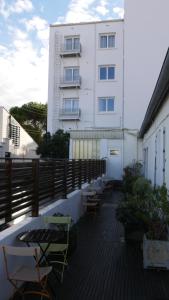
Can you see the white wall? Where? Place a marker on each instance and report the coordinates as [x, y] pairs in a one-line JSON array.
[[27, 147], [72, 206], [91, 88], [146, 44], [155, 133]]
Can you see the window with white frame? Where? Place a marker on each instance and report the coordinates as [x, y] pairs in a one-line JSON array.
[[107, 72], [107, 40], [71, 74], [72, 43], [71, 105], [106, 104]]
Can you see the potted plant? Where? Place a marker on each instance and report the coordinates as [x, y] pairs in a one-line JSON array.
[[156, 241], [131, 173], [132, 212]]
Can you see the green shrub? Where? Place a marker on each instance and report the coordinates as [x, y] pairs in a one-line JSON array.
[[131, 174]]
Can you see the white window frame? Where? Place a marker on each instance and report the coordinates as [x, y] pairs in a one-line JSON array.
[[107, 36], [71, 101], [72, 38], [72, 69], [106, 99], [107, 66]]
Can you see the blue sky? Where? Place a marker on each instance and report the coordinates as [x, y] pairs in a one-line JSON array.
[[24, 33]]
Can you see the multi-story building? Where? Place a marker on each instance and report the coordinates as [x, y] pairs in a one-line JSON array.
[[14, 140], [86, 89], [146, 42]]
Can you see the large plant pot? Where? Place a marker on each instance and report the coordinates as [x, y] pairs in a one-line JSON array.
[[155, 253], [133, 233]]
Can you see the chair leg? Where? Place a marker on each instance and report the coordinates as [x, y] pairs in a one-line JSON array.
[[65, 263], [43, 292], [16, 288]]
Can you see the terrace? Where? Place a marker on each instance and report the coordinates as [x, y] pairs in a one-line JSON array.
[[103, 266]]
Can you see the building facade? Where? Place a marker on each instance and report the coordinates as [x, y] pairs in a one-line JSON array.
[[155, 131], [146, 42], [14, 140], [86, 89]]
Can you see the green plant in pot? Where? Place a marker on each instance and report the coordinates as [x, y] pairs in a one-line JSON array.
[[131, 173], [132, 212], [158, 218], [156, 241]]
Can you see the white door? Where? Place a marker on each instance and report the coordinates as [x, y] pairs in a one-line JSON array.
[[114, 162]]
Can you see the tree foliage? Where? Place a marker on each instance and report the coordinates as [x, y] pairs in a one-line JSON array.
[[54, 146], [32, 117]]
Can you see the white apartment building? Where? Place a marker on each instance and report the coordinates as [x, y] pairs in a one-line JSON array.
[[14, 139], [86, 89], [146, 41], [155, 131]]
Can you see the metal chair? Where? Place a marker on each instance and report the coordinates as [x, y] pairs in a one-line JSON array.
[[57, 253], [90, 201], [23, 273]]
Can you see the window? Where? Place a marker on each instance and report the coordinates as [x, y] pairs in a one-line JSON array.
[[72, 43], [106, 104], [14, 134], [86, 148], [107, 72], [71, 105], [71, 74], [114, 152], [107, 40]]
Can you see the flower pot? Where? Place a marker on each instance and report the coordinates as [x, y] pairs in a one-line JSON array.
[[133, 233], [155, 253]]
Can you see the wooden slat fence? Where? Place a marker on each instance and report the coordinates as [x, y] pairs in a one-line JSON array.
[[27, 185]]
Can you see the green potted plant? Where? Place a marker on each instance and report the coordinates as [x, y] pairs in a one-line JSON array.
[[131, 173], [156, 241], [132, 212]]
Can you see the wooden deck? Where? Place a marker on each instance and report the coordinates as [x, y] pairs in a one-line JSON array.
[[103, 267]]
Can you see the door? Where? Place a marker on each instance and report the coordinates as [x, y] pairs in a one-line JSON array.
[[114, 162]]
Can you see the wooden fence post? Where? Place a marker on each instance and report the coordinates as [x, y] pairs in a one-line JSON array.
[[73, 173], [89, 164], [8, 171], [65, 179], [35, 171], [80, 174], [53, 167]]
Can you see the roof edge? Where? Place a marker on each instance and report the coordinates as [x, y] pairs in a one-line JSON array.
[[85, 23], [158, 98]]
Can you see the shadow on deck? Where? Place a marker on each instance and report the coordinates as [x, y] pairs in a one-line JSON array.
[[103, 267]]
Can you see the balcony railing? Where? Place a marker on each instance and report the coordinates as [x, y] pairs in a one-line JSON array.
[[70, 84], [27, 185], [65, 114], [70, 52]]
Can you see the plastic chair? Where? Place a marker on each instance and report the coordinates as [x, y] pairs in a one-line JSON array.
[[35, 274], [57, 253]]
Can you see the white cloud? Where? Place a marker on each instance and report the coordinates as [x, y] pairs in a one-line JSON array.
[[102, 8], [17, 7], [40, 26], [119, 11], [23, 71], [80, 11], [22, 6]]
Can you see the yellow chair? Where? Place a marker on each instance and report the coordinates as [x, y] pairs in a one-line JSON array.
[[57, 253], [23, 273]]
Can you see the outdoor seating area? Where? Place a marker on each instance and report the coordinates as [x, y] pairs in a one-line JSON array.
[[103, 265], [50, 244]]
